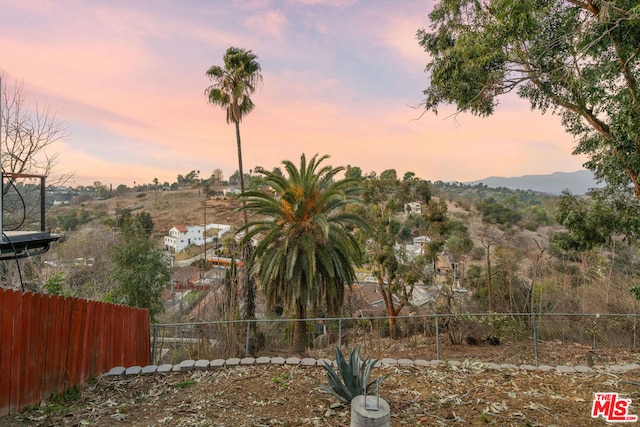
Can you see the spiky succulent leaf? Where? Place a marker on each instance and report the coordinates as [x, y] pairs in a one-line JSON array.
[[334, 393], [337, 387]]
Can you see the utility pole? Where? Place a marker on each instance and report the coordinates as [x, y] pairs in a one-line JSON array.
[[204, 204]]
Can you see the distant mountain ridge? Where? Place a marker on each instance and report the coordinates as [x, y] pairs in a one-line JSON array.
[[578, 182]]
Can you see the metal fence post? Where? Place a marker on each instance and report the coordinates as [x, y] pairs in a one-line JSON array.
[[635, 317], [437, 340], [340, 333], [246, 346], [153, 343], [535, 340]]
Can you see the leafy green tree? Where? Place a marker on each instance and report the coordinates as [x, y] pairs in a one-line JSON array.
[[408, 175], [125, 218], [588, 223], [54, 284], [459, 244], [437, 225], [353, 172], [145, 221], [307, 250], [189, 180], [121, 189], [535, 216], [233, 84], [577, 58], [396, 269], [495, 212], [389, 175], [142, 271], [70, 221]]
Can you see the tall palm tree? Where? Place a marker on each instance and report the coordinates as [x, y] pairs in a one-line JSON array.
[[307, 249], [232, 86], [231, 89]]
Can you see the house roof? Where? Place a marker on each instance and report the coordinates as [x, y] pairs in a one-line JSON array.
[[443, 263], [181, 228], [373, 301]]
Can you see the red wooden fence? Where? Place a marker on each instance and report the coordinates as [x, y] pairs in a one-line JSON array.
[[50, 343]]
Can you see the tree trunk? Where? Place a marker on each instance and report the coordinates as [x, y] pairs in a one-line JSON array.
[[240, 169], [299, 329], [392, 326], [248, 282], [387, 297], [249, 286]]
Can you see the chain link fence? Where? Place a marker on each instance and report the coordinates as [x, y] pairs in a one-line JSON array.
[[502, 338]]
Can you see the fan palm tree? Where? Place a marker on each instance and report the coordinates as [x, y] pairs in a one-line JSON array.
[[232, 86], [307, 250]]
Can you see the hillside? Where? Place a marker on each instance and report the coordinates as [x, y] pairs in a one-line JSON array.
[[515, 226], [167, 208]]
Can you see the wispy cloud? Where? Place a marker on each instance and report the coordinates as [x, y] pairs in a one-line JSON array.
[[269, 23]]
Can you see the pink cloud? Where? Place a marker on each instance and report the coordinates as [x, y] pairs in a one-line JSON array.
[[270, 23]]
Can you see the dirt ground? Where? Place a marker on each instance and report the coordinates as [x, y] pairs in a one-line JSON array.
[[469, 394]]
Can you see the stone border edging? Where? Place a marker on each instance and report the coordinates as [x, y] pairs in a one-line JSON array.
[[203, 364]]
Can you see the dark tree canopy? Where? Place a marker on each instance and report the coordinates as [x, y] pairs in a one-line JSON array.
[[576, 58]]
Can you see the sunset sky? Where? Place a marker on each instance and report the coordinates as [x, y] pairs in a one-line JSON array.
[[341, 77]]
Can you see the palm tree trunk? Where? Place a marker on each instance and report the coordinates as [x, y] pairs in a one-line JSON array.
[[240, 169], [248, 285], [248, 282], [299, 329]]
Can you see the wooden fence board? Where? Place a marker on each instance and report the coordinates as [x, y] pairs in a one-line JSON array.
[[6, 317], [130, 339], [108, 344], [49, 318], [102, 325], [63, 374], [76, 338], [119, 326], [144, 339], [87, 338], [16, 353], [25, 333], [35, 356]]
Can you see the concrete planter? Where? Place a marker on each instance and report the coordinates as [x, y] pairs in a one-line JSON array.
[[374, 414]]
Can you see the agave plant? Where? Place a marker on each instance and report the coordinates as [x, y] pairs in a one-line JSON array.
[[354, 376]]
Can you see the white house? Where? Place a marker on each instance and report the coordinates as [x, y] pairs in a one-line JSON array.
[[413, 250], [181, 236], [413, 207]]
